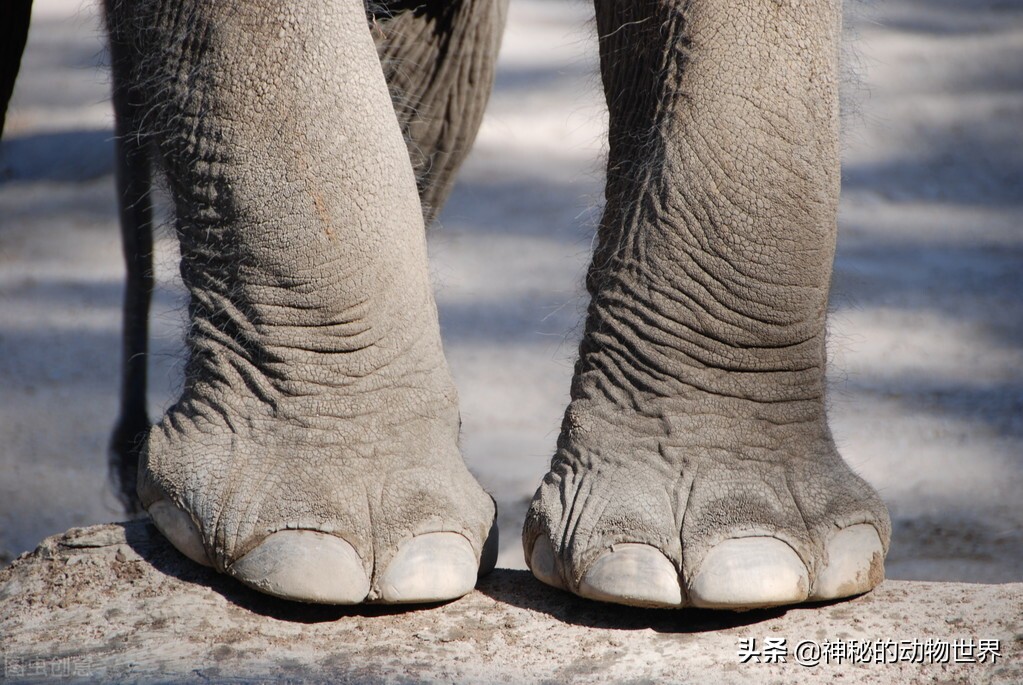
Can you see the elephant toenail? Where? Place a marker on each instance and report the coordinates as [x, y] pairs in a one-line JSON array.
[[633, 574], [748, 573], [855, 563], [542, 563], [430, 568], [306, 566], [178, 527]]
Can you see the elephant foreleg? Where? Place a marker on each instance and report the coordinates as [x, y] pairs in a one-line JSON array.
[[439, 60], [695, 464], [313, 453]]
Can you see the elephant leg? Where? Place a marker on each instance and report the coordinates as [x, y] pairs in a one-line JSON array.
[[135, 207], [313, 451], [439, 60], [439, 63], [695, 466]]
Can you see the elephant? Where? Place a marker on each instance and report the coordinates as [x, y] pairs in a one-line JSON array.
[[313, 452]]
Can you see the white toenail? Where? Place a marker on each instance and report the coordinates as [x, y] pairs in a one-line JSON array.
[[855, 563], [542, 563], [178, 527], [433, 567], [633, 574], [306, 566], [746, 573]]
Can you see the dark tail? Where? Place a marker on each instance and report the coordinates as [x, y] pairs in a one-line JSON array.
[[136, 216], [14, 19]]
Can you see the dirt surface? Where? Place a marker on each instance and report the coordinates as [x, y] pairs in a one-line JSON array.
[[926, 335], [114, 603]]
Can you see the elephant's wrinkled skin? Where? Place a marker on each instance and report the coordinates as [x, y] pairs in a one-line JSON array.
[[313, 453]]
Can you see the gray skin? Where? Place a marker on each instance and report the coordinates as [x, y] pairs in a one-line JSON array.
[[438, 60], [313, 452]]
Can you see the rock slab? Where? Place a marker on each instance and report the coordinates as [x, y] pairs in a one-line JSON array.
[[116, 603]]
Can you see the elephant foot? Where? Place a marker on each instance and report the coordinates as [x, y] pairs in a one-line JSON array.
[[309, 566], [630, 514], [311, 527], [345, 493]]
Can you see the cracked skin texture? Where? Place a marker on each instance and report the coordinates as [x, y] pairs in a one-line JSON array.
[[439, 61], [695, 456], [317, 397], [697, 415]]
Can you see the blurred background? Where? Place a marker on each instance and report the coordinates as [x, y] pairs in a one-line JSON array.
[[926, 332]]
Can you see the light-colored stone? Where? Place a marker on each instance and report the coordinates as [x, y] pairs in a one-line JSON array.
[[117, 603]]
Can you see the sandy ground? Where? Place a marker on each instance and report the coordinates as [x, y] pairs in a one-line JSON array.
[[131, 609], [927, 325]]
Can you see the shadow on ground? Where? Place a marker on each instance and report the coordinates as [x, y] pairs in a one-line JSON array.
[[61, 156]]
